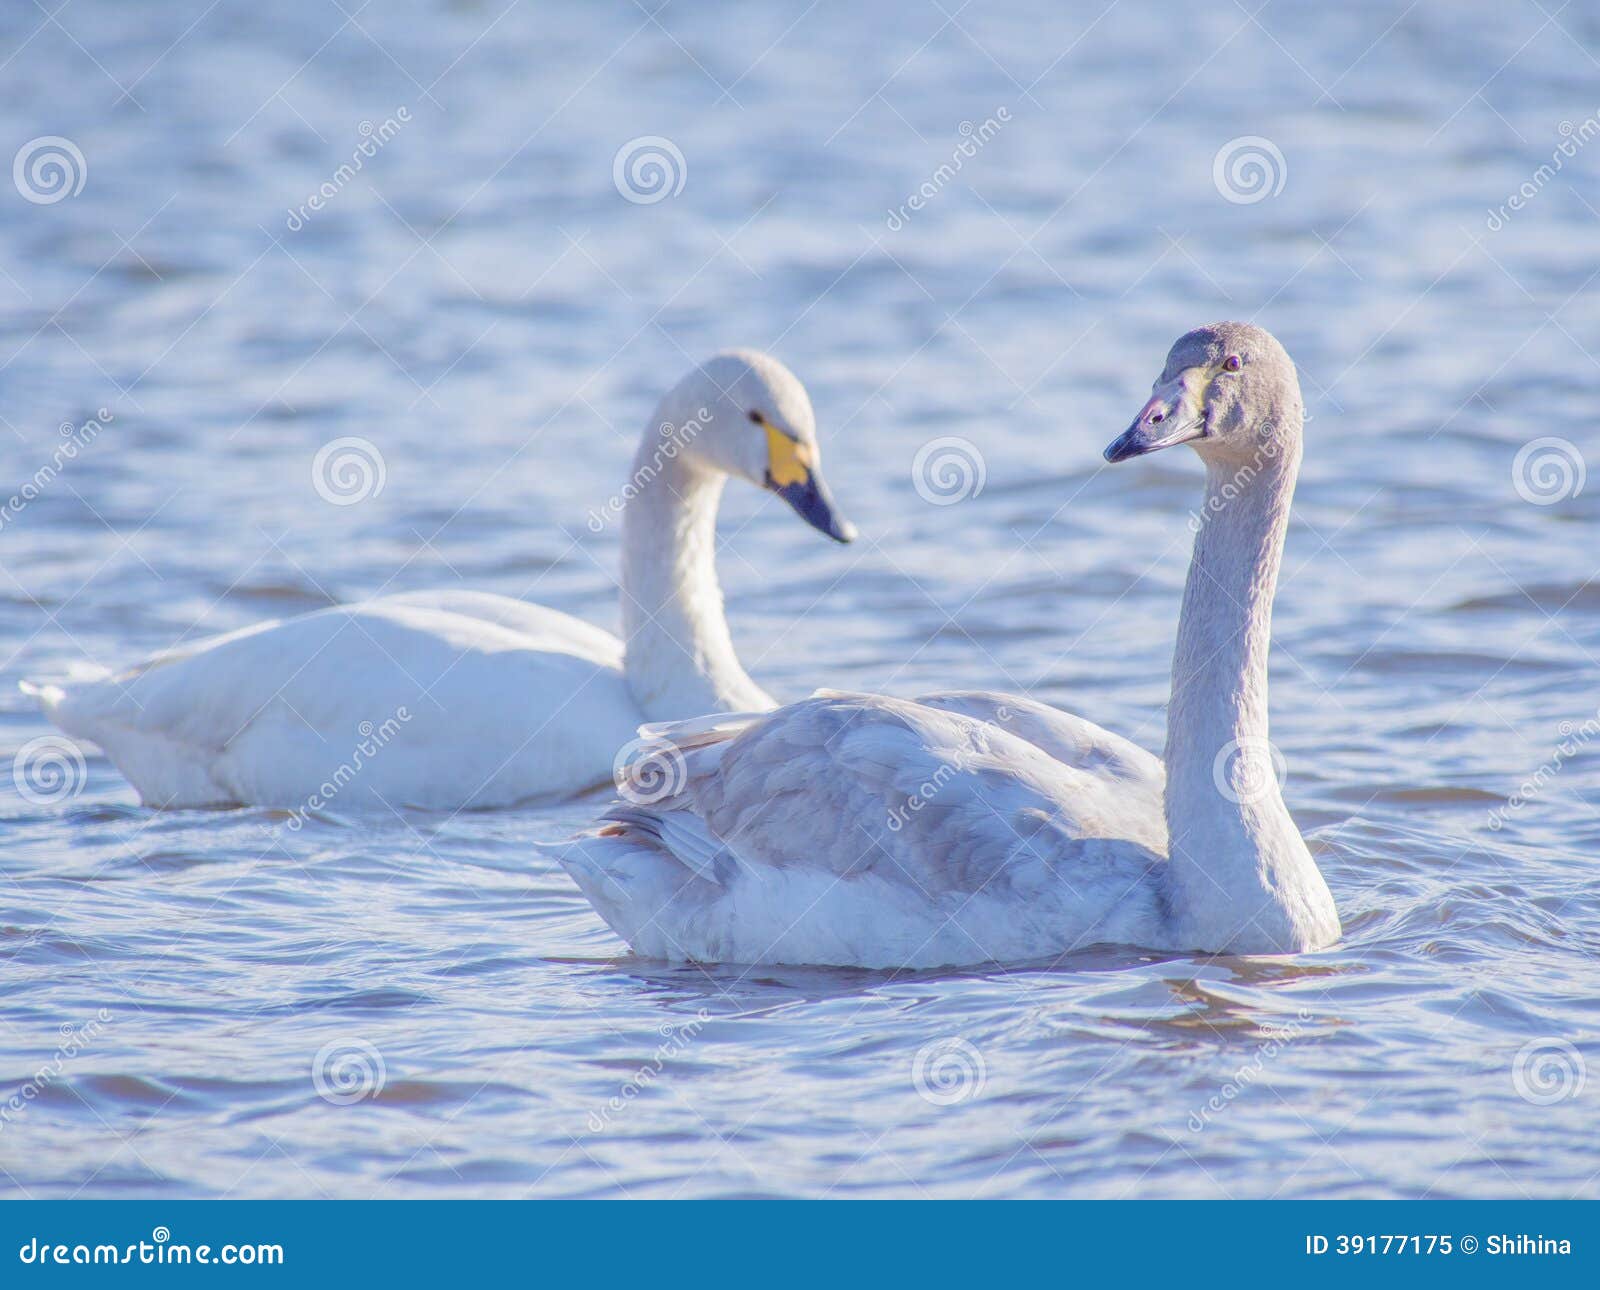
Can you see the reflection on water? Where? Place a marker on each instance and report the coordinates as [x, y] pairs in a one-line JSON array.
[[211, 1003]]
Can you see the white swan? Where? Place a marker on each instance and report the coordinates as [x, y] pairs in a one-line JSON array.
[[968, 828], [454, 699]]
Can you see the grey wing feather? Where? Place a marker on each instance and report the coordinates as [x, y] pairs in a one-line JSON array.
[[854, 784]]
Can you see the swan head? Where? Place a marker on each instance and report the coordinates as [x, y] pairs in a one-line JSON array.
[[745, 414], [1229, 389]]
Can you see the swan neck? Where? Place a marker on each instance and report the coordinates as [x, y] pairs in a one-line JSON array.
[[1219, 668], [1240, 878], [679, 658]]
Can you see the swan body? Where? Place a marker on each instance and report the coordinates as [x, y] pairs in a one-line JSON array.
[[461, 699], [794, 839], [867, 831]]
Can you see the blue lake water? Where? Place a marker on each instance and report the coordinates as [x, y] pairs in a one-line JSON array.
[[209, 1003]]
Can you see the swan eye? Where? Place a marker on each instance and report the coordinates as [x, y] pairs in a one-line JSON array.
[[755, 417], [1232, 363]]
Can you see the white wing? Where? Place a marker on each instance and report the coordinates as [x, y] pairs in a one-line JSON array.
[[548, 628], [856, 829], [446, 700]]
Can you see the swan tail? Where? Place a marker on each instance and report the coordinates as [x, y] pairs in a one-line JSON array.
[[62, 706], [681, 836], [165, 771], [630, 882], [48, 694], [652, 869]]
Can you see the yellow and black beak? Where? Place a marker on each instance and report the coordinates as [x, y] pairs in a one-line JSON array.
[[793, 475]]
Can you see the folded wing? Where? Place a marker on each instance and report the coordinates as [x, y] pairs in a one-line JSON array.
[[869, 830]]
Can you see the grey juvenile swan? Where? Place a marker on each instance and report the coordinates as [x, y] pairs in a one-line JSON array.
[[789, 836]]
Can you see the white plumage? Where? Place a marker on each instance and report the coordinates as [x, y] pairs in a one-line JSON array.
[[460, 699], [453, 699]]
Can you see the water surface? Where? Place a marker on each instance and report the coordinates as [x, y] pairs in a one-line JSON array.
[[210, 1003]]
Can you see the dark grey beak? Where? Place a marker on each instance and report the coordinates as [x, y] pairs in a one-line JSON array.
[[1157, 425], [1132, 442], [813, 503], [1143, 437]]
